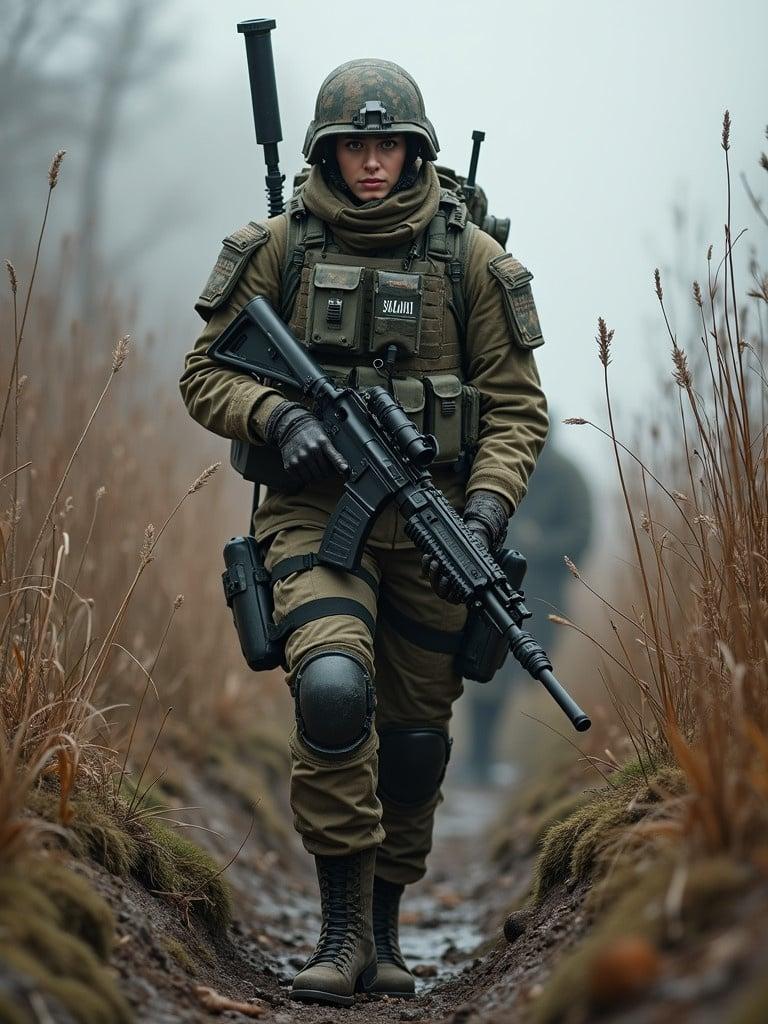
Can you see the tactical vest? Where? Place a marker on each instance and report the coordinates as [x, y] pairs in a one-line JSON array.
[[397, 321]]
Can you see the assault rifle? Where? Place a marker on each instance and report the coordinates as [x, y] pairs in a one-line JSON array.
[[388, 461]]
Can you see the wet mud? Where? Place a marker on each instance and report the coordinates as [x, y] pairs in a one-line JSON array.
[[452, 930]]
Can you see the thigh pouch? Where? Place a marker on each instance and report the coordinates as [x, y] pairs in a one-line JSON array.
[[248, 592], [478, 649]]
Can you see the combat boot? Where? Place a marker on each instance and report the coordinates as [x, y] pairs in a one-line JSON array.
[[393, 977], [344, 961]]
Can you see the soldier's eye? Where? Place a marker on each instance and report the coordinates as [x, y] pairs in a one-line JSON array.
[[388, 144]]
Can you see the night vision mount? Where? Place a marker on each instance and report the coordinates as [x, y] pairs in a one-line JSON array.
[[372, 116]]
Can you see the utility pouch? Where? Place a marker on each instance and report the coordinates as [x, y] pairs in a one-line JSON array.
[[470, 417], [262, 464], [409, 391], [483, 650], [396, 317], [335, 308], [363, 377], [248, 592], [443, 393]]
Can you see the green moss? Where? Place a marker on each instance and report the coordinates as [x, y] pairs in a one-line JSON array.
[[93, 831], [633, 771], [555, 863], [180, 954], [174, 866], [164, 861], [577, 845], [556, 812], [85, 913], [38, 903]]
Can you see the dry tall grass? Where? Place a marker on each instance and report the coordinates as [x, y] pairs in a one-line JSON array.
[[689, 667], [94, 474]]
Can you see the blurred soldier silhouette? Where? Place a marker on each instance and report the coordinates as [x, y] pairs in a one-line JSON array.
[[554, 520]]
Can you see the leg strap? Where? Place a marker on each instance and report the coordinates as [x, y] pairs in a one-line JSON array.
[[321, 607], [427, 637], [303, 563]]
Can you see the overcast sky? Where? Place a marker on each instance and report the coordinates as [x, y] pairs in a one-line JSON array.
[[600, 118]]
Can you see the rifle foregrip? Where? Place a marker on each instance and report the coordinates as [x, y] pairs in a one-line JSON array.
[[423, 538]]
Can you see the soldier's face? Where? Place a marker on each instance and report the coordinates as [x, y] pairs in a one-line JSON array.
[[371, 166]]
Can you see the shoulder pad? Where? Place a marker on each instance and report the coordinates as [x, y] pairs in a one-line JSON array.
[[235, 252], [515, 282]]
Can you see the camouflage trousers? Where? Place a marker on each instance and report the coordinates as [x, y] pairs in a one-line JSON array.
[[337, 809]]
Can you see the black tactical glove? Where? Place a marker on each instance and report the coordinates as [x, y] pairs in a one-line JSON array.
[[487, 516], [308, 455]]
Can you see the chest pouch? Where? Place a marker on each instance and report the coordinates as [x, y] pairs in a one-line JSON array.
[[396, 315], [409, 391], [444, 414], [335, 308]]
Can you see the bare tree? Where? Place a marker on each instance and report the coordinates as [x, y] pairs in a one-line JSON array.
[[69, 73], [130, 55]]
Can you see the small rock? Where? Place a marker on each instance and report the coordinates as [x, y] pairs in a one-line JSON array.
[[515, 925], [425, 970]]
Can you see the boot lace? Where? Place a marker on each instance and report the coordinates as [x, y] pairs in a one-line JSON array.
[[386, 909], [339, 899]]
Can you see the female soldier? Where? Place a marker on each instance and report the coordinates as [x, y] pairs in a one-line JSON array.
[[379, 272]]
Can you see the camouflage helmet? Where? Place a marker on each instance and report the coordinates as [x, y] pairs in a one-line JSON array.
[[369, 96]]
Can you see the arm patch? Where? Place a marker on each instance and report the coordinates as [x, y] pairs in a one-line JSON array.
[[515, 283], [237, 249]]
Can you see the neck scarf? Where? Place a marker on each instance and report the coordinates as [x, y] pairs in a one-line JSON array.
[[381, 223]]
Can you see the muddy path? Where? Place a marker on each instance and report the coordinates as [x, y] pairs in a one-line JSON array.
[[445, 921], [448, 921], [451, 927]]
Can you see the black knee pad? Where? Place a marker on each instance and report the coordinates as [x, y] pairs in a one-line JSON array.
[[412, 763], [334, 703]]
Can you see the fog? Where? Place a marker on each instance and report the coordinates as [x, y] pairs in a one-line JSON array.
[[603, 147]]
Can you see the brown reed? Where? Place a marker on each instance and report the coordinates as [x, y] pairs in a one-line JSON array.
[[698, 601]]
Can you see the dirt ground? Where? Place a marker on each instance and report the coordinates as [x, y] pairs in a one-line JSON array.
[[452, 935], [447, 922]]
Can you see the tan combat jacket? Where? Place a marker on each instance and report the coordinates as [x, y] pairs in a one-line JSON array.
[[513, 418]]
